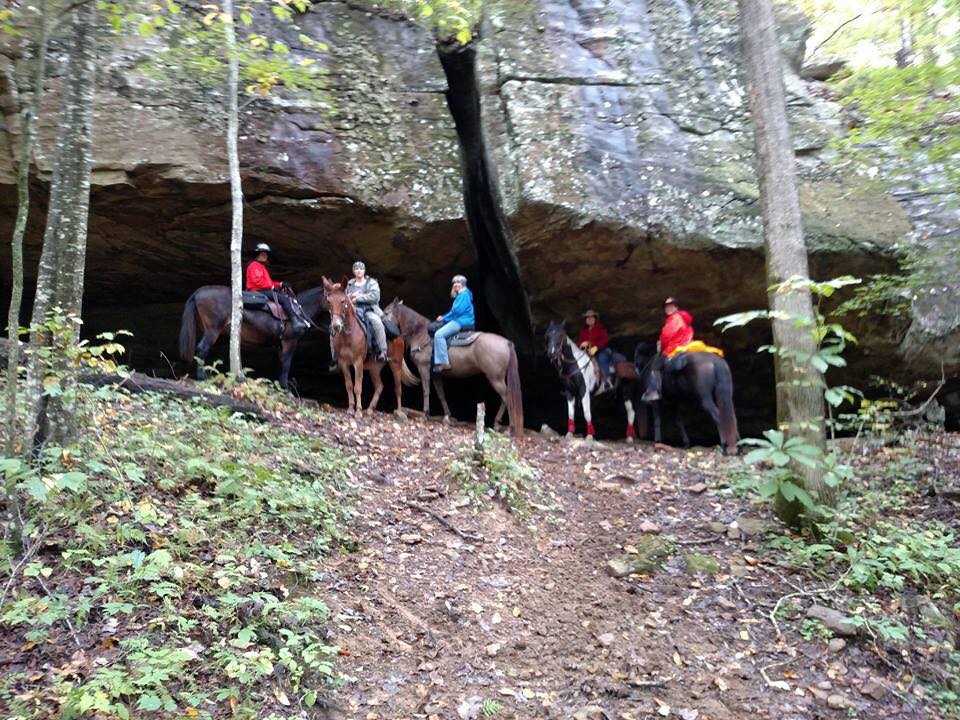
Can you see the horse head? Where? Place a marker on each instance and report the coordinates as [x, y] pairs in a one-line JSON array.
[[644, 353], [338, 304], [556, 337], [390, 311]]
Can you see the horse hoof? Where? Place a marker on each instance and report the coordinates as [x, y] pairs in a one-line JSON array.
[[589, 438], [630, 440], [446, 419], [400, 414]]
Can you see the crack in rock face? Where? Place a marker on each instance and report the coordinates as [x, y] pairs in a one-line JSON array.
[[618, 135]]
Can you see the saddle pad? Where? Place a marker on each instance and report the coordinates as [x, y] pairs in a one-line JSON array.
[[462, 339]]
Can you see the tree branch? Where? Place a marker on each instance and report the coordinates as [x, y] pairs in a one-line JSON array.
[[838, 29]]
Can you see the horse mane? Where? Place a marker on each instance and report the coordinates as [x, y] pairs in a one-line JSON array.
[[417, 322]]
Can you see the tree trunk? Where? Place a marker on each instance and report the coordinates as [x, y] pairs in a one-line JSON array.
[[800, 405], [28, 126], [905, 55], [236, 192], [60, 275]]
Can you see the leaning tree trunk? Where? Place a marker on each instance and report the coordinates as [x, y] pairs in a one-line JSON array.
[[236, 191], [800, 406], [60, 275], [28, 127]]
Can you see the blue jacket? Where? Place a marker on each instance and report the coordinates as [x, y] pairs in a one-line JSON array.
[[462, 309]]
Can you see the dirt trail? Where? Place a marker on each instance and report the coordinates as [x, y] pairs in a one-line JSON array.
[[527, 619]]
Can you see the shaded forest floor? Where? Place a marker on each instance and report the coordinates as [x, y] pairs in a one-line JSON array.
[[377, 560]]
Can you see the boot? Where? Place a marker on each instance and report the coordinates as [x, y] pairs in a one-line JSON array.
[[381, 356], [653, 390]]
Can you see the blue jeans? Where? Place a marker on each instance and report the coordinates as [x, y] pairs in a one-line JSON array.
[[603, 360], [440, 356]]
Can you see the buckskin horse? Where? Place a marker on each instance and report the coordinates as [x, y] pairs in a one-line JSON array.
[[702, 377], [210, 308], [580, 377], [350, 351], [487, 353]]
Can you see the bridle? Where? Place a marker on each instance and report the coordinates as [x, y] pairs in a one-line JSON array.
[[342, 316], [560, 360]]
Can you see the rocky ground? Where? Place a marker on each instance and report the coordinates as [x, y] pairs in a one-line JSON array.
[[637, 584]]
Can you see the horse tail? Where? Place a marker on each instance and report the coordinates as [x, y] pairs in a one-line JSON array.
[[514, 399], [723, 396], [188, 330], [407, 376]]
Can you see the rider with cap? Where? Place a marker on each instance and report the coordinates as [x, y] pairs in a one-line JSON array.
[[459, 317], [259, 281], [365, 292], [593, 338], [677, 331]]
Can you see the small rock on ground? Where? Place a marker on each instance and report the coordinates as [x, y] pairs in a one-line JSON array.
[[833, 620]]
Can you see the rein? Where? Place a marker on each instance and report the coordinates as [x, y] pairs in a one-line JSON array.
[[559, 359]]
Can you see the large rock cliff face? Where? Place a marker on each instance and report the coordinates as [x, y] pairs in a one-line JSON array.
[[618, 130]]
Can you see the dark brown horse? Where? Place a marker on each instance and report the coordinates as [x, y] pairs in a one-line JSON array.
[[350, 351], [705, 379], [490, 354], [210, 308]]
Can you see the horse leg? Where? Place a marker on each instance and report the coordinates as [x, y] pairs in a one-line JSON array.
[[631, 417], [682, 428], [585, 404], [396, 360], [358, 386], [286, 359], [657, 435], [375, 373], [203, 348], [571, 418], [425, 384], [500, 385], [438, 384], [345, 369]]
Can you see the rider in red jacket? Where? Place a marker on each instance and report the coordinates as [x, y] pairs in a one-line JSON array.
[[259, 280], [594, 339], [677, 331]]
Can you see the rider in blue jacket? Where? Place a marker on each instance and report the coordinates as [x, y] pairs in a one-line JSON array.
[[460, 317]]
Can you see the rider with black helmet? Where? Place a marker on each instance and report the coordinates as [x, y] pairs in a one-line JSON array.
[[259, 280]]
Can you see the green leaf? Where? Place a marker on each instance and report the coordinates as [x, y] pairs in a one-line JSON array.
[[146, 28], [756, 456], [246, 18], [768, 488], [73, 481], [36, 488], [464, 36], [149, 703]]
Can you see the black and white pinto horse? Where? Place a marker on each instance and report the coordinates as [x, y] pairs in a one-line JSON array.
[[580, 378]]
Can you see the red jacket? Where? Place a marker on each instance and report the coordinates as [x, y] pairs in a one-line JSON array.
[[258, 278], [677, 331], [597, 335]]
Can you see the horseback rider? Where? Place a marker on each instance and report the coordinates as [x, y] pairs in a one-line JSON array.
[[677, 332], [259, 281], [459, 317], [365, 293], [593, 338]]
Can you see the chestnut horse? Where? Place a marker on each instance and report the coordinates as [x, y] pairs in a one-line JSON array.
[[490, 354], [350, 351], [210, 308]]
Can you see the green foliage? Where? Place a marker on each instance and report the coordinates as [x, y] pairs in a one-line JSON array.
[[194, 536], [448, 20], [783, 452], [495, 472], [490, 707]]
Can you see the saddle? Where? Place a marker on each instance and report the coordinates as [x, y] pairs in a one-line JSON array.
[[258, 303], [391, 329], [463, 338]]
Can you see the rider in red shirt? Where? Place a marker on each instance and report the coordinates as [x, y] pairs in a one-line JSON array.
[[594, 339], [677, 331], [259, 280]]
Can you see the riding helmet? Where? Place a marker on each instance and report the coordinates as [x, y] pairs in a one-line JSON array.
[[671, 301], [591, 313], [358, 265], [262, 247], [459, 279]]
